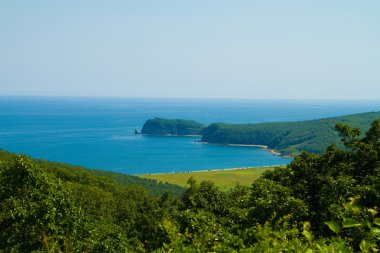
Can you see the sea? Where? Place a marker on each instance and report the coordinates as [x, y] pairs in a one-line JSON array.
[[98, 133]]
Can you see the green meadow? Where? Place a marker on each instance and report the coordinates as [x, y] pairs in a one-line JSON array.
[[224, 179]]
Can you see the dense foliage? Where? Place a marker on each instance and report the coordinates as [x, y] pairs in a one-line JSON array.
[[319, 203], [159, 126], [287, 137], [61, 208]]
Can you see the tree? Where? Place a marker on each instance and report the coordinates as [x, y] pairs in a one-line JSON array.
[[35, 212]]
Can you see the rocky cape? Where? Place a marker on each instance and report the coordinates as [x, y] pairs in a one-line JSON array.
[[286, 138]]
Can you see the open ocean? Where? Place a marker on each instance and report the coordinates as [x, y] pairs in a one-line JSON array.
[[98, 133]]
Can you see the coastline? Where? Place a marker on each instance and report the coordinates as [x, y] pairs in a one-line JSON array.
[[272, 151], [214, 170], [172, 135]]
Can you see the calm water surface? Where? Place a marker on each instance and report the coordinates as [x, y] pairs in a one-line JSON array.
[[98, 132]]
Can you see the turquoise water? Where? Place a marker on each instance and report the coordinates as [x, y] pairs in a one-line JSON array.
[[98, 132]]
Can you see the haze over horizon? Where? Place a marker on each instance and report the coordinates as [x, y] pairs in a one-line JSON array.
[[198, 49]]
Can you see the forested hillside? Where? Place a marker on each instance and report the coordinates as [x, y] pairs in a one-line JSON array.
[[287, 137], [57, 207], [66, 172], [318, 203]]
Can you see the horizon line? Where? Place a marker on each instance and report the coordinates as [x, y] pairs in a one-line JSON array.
[[185, 98]]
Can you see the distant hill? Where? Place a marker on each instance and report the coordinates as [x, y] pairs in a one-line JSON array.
[[287, 137], [162, 127]]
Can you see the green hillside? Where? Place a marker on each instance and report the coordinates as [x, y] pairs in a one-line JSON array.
[[287, 137], [70, 173], [159, 126]]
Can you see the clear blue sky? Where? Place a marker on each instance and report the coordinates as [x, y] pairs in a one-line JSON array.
[[225, 49]]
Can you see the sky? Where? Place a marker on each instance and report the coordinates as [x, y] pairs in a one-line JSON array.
[[198, 49]]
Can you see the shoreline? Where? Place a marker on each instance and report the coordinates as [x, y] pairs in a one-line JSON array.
[[272, 151], [172, 135], [213, 170]]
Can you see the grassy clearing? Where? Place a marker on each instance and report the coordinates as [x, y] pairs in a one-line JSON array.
[[224, 179]]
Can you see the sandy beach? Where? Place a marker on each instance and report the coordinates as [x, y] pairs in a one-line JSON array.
[[274, 152]]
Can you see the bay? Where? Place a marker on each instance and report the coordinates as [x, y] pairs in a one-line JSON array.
[[98, 133]]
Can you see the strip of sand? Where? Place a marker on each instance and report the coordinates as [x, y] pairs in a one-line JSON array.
[[274, 152], [215, 170]]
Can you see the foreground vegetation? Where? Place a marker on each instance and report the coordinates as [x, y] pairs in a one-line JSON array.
[[318, 203], [224, 179]]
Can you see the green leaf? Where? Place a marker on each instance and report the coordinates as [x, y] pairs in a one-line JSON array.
[[350, 223], [375, 231], [334, 226], [367, 223], [372, 211], [308, 235], [364, 246], [377, 221]]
